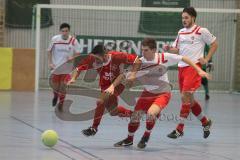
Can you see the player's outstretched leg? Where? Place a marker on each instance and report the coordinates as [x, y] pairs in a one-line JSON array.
[[206, 123], [152, 113], [132, 128], [99, 111], [187, 99], [144, 140], [178, 132]]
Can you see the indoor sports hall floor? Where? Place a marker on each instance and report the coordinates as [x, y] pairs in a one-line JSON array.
[[24, 115]]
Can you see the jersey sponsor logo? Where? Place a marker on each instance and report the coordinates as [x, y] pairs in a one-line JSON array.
[[107, 75], [63, 49], [186, 41]]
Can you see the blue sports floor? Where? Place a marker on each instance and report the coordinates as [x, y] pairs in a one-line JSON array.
[[25, 115]]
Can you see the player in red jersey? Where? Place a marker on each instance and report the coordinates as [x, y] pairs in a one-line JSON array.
[[108, 65], [190, 42]]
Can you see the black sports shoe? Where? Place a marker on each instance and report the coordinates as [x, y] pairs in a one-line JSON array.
[[89, 132], [54, 101], [143, 141], [206, 129], [124, 143], [175, 134], [207, 97]]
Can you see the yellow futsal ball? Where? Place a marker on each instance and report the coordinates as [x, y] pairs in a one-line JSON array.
[[49, 138]]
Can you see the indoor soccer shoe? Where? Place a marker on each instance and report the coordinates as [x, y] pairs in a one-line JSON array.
[[206, 129], [207, 97], [143, 142], [54, 101], [124, 143], [89, 132], [175, 134]]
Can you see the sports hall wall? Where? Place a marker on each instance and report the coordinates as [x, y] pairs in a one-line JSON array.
[[221, 25], [17, 69]]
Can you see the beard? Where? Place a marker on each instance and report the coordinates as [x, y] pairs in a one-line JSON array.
[[189, 25]]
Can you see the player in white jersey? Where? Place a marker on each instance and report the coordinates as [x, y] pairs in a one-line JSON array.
[[157, 90], [190, 42], [63, 47]]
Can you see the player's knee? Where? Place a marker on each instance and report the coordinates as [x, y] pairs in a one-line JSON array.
[[100, 102], [187, 97], [151, 115]]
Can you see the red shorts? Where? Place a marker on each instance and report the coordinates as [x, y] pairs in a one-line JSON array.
[[147, 99], [60, 78], [188, 79]]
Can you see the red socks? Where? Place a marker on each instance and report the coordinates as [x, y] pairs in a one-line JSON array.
[[99, 111], [185, 110], [197, 111], [132, 127]]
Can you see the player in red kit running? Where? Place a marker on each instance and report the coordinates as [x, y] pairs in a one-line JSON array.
[[190, 42], [108, 65]]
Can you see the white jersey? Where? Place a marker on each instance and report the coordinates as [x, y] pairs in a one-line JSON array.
[[191, 43], [62, 49], [153, 74]]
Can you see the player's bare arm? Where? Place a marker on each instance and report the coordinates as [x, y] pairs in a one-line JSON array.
[[50, 63], [198, 69], [168, 48], [74, 76], [212, 50], [117, 81], [132, 74]]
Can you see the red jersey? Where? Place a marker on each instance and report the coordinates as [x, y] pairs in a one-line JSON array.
[[109, 70]]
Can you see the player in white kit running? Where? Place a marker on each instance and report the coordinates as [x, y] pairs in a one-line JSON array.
[[63, 47], [190, 42]]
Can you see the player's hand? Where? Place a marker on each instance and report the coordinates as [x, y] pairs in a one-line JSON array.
[[210, 67], [110, 90], [51, 66], [70, 58], [203, 61], [71, 81], [204, 74], [166, 47]]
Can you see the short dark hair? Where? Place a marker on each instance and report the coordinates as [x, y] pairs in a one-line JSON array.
[[64, 25], [99, 50], [150, 42], [191, 11]]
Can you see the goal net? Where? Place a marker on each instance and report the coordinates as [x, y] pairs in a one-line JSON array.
[[103, 24]]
